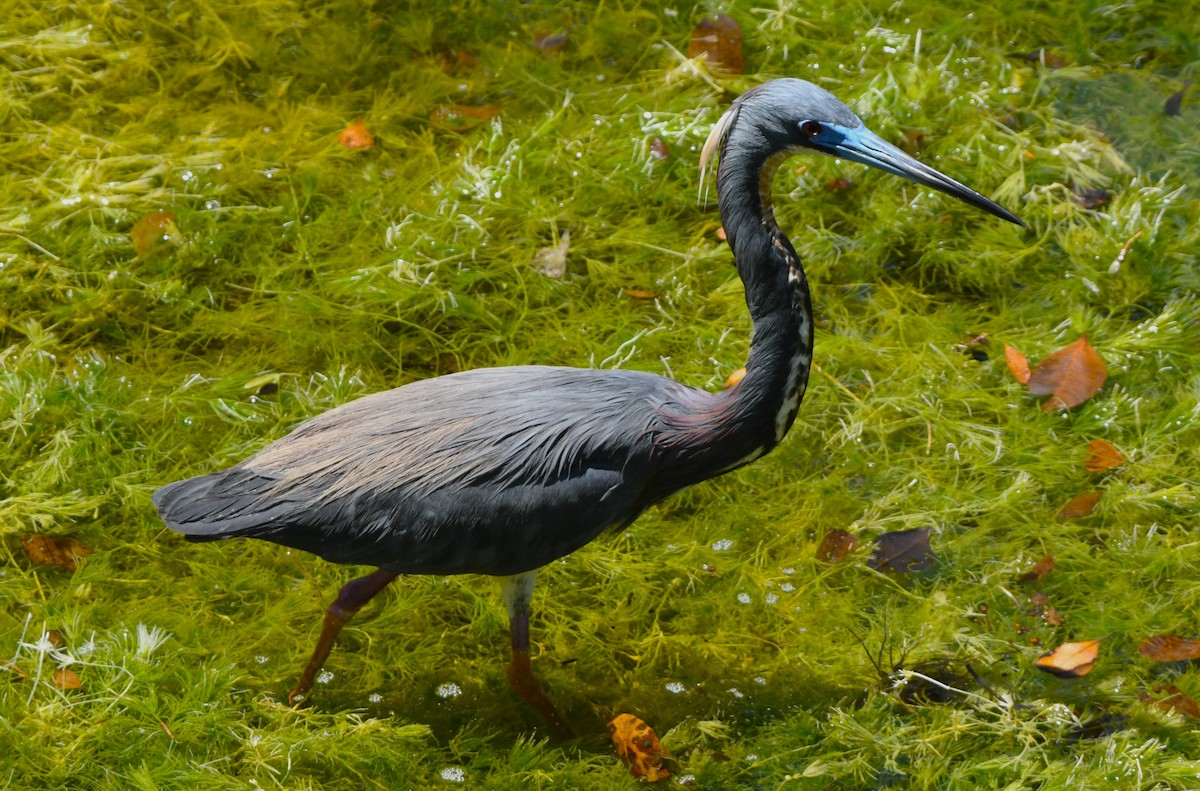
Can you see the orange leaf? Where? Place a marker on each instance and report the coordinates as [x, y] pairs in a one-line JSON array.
[[1072, 375], [52, 551], [640, 293], [1175, 699], [836, 545], [638, 747], [461, 117], [65, 678], [736, 377], [1168, 648], [1070, 660], [1017, 363], [720, 42], [1102, 455], [1039, 570], [154, 229], [1079, 506], [356, 135]]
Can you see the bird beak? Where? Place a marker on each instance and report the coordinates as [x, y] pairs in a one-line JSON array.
[[865, 147]]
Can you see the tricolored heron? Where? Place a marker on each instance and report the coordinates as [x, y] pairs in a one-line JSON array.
[[499, 471]]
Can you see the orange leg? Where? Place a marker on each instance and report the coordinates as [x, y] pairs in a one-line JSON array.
[[518, 592], [353, 596]]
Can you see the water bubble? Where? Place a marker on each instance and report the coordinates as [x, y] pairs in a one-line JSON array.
[[262, 660], [789, 571], [772, 598], [453, 774], [212, 204], [787, 587], [375, 697], [324, 677], [675, 687], [743, 597], [449, 690], [722, 544]]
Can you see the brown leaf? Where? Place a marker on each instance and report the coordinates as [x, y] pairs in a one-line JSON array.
[[836, 545], [1079, 506], [1039, 570], [12, 666], [154, 229], [659, 150], [65, 678], [736, 377], [1053, 617], [1072, 375], [640, 293], [1175, 700], [720, 42], [1017, 364], [903, 550], [1174, 105], [1070, 660], [638, 747], [1168, 648], [1102, 455], [721, 233], [53, 551], [356, 135], [461, 117], [552, 261]]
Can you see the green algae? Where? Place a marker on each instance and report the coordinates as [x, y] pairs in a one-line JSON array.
[[332, 273]]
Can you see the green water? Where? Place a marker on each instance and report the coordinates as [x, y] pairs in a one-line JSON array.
[[332, 273]]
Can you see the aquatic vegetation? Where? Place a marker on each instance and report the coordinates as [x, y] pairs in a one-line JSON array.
[[296, 273]]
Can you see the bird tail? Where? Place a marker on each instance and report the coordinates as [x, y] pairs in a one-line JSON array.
[[218, 505]]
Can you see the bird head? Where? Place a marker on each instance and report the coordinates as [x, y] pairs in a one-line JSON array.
[[790, 116]]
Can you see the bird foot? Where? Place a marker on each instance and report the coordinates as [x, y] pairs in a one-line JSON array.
[[526, 685], [335, 619]]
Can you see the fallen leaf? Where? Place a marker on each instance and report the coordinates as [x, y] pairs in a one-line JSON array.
[[736, 377], [1175, 700], [640, 293], [1079, 506], [721, 233], [1168, 648], [552, 261], [65, 678], [461, 117], [551, 44], [720, 42], [902, 551], [659, 150], [1017, 364], [1045, 58], [638, 747], [356, 135], [10, 665], [53, 551], [1070, 660], [1039, 570], [1174, 105], [1053, 617], [836, 545], [1072, 375], [839, 185], [154, 229], [1092, 198], [1102, 455]]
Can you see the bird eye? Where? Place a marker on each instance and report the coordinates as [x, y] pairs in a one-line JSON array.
[[811, 128]]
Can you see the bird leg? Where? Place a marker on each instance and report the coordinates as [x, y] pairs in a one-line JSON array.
[[353, 596], [518, 593]]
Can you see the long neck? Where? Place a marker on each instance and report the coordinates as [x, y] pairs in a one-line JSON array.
[[722, 431]]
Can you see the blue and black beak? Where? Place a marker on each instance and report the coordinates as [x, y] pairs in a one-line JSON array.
[[865, 147]]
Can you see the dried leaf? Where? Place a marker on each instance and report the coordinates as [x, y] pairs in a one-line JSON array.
[[12, 666], [356, 135], [461, 117], [1053, 617], [65, 678], [1079, 506], [1102, 455], [1070, 660], [720, 42], [640, 293], [551, 44], [638, 747], [1039, 570], [1174, 105], [1017, 364], [1168, 648], [1072, 375], [552, 261], [736, 377], [836, 545], [903, 550], [1175, 700], [53, 551], [659, 150], [154, 229]]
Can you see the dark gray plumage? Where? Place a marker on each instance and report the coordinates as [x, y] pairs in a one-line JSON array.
[[500, 471]]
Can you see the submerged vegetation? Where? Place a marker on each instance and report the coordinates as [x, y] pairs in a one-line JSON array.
[[192, 262]]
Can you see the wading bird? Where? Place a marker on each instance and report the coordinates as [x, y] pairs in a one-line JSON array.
[[500, 471]]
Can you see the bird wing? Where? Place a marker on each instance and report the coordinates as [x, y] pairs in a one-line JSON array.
[[492, 470]]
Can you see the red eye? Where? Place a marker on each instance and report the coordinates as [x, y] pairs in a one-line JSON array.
[[811, 128]]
